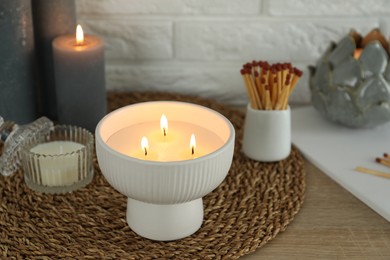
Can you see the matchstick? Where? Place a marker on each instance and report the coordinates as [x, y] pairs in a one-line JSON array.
[[297, 75], [249, 91], [383, 161], [255, 92], [263, 89], [268, 105], [372, 172], [279, 76], [274, 87], [285, 67], [287, 86]]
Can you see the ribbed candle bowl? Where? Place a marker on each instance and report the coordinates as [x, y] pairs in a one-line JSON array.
[[164, 198], [59, 161]]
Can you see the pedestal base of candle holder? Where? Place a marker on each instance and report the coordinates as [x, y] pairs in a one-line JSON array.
[[164, 222], [59, 189]]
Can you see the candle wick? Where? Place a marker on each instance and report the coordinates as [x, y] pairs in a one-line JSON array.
[[146, 151], [192, 150], [165, 133]]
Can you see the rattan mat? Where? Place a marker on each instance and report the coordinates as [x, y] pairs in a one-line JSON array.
[[254, 203]]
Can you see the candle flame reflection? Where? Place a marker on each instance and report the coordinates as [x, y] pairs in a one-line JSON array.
[[79, 35], [164, 124], [145, 145], [357, 53], [192, 144]]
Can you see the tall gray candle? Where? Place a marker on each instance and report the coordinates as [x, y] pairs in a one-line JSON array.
[[51, 19], [80, 80], [17, 92]]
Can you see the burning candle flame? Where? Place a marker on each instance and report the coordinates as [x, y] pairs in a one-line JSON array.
[[192, 144], [164, 124], [145, 145], [79, 35]]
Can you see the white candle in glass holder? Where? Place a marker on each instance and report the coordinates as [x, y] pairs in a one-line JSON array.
[[58, 162]]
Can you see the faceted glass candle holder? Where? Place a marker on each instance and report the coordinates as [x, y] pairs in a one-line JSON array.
[[60, 161], [13, 138]]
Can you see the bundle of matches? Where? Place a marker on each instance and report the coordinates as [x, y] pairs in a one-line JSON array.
[[269, 86], [384, 161]]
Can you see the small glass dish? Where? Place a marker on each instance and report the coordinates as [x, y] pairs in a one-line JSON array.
[[60, 161]]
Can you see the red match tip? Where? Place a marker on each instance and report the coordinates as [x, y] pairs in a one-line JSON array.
[[284, 66], [261, 64], [242, 72], [275, 80], [287, 81], [298, 72], [262, 80], [254, 63], [288, 76], [256, 73], [378, 160]]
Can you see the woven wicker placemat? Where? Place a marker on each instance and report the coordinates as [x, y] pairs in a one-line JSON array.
[[254, 203]]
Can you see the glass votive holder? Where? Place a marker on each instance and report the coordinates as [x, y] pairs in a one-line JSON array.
[[60, 161], [267, 134]]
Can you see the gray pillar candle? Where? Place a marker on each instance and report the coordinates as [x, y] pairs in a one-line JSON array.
[[51, 19], [17, 92], [80, 80]]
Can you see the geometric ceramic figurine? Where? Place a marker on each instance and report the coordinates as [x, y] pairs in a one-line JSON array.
[[164, 195], [350, 84]]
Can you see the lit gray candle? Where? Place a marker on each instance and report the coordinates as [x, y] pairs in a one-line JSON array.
[[51, 19], [80, 80], [17, 92]]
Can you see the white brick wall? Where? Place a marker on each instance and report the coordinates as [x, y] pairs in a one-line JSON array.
[[198, 46]]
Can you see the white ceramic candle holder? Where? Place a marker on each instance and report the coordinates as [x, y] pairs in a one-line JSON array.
[[267, 134], [165, 198]]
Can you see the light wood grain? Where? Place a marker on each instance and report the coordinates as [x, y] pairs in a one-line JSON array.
[[332, 224]]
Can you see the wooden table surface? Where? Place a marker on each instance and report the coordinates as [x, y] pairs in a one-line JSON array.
[[332, 224]]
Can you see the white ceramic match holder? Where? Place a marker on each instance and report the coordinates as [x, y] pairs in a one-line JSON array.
[[267, 134]]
